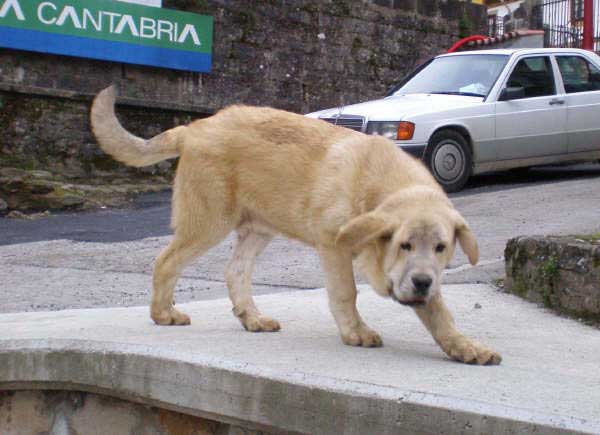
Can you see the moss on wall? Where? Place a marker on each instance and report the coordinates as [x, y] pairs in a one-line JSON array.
[[561, 273]]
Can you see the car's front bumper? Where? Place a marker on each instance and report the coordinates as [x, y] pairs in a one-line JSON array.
[[415, 149]]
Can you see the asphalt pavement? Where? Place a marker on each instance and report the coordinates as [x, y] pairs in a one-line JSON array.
[[149, 214]]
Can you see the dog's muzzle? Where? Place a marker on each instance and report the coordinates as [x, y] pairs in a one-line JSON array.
[[421, 285]]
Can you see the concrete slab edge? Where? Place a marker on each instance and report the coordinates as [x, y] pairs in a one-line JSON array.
[[255, 397]]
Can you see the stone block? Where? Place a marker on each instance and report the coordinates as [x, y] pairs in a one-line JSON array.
[[562, 273]]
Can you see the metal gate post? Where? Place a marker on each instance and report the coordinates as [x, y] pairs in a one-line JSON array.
[[588, 25]]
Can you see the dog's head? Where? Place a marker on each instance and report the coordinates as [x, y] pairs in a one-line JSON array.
[[403, 246]]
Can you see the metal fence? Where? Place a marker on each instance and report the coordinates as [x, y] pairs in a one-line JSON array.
[[495, 26], [562, 22]]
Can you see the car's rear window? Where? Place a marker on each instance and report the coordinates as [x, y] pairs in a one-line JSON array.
[[579, 74]]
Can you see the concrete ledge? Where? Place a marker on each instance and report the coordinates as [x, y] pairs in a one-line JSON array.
[[561, 273], [89, 96], [303, 380]]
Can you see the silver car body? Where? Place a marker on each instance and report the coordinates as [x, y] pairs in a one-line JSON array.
[[563, 127]]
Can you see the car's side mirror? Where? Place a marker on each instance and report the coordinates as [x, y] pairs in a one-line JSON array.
[[512, 93]]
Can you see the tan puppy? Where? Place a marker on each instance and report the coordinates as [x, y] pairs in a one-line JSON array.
[[262, 172]]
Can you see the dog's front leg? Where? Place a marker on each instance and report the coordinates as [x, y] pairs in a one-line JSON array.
[[341, 290], [438, 320]]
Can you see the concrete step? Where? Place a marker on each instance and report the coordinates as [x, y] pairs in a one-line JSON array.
[[303, 379]]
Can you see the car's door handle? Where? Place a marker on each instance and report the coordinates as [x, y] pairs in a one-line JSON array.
[[556, 101]]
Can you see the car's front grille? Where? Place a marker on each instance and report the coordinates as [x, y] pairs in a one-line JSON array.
[[352, 122]]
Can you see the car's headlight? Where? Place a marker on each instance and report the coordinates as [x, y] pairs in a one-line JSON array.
[[395, 130], [388, 129]]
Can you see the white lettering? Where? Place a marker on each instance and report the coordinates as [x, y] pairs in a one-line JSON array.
[[189, 30], [165, 27], [50, 14], [112, 16], [40, 13], [126, 20], [87, 16], [147, 28], [69, 12], [15, 6]]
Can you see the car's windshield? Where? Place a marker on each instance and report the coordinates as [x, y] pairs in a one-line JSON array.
[[473, 75]]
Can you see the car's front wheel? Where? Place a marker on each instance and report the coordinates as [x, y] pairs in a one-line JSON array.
[[449, 159]]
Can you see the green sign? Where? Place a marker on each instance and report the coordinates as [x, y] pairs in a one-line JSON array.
[[111, 30]]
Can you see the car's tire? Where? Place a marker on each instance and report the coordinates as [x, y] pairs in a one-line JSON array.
[[449, 159]]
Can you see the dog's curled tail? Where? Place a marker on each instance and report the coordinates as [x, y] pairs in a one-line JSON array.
[[122, 145]]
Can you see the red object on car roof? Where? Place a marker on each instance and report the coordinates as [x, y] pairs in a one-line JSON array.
[[466, 40]]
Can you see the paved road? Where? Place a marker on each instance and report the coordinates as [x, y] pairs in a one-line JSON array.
[[105, 258], [148, 216]]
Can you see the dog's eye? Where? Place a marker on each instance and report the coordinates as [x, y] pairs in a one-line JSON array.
[[406, 246], [440, 247], [385, 237]]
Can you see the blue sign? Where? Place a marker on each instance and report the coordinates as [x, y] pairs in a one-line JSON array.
[[109, 30]]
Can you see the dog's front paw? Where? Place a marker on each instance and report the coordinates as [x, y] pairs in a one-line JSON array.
[[463, 349], [362, 335], [170, 316]]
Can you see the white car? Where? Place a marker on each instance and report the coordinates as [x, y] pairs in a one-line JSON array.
[[479, 111]]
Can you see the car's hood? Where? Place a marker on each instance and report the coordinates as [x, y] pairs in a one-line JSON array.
[[399, 107]]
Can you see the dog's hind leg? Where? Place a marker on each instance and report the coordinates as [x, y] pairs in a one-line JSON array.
[[238, 274], [200, 219], [181, 251]]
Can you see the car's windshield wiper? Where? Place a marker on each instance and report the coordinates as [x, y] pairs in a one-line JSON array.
[[466, 94]]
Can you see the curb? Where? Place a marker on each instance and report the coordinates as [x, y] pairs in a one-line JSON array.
[[241, 394]]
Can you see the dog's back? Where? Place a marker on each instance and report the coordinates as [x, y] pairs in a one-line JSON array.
[[293, 172]]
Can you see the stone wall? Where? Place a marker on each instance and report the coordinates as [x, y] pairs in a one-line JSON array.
[[49, 133], [562, 273], [296, 55], [74, 412]]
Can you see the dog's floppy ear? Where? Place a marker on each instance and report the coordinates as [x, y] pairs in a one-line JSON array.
[[466, 238], [362, 229]]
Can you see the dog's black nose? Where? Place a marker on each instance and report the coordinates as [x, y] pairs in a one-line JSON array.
[[422, 283]]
